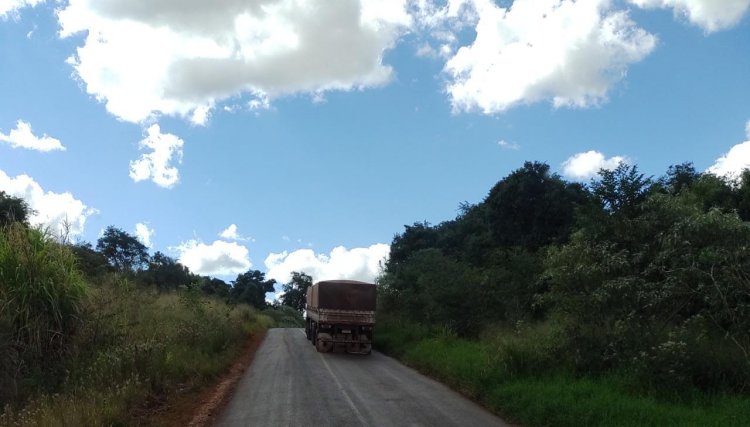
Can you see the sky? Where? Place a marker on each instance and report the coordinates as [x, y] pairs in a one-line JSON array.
[[302, 135]]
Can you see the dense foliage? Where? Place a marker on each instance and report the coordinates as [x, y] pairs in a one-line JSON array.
[[13, 209], [91, 336], [295, 292], [638, 275]]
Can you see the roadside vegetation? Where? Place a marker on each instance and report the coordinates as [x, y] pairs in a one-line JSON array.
[[108, 335], [625, 301]]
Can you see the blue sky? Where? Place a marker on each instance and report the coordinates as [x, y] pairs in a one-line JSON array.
[[318, 129]]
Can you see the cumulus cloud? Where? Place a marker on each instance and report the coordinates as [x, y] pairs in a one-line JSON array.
[[23, 137], [10, 7], [356, 264], [144, 233], [60, 212], [231, 233], [157, 165], [144, 57], [731, 164], [711, 15], [586, 165], [568, 52], [218, 258]]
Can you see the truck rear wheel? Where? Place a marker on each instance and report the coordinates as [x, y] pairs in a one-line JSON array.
[[365, 345], [324, 343]]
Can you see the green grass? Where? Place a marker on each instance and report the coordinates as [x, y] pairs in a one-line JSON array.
[[513, 371], [134, 350], [285, 317]]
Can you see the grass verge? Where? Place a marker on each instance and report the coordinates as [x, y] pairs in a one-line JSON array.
[[514, 373], [135, 351]]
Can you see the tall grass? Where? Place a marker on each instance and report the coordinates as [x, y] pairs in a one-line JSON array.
[[107, 354], [135, 350], [41, 296], [518, 372]]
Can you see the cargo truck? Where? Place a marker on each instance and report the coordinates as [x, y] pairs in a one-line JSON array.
[[341, 314]]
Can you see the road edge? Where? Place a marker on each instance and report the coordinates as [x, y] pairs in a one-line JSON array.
[[201, 407], [213, 401]]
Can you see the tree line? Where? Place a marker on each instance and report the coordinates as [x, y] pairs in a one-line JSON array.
[[650, 276], [118, 251]]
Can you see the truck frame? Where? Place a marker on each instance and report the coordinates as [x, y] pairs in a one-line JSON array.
[[341, 313]]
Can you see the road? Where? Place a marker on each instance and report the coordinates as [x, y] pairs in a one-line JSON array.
[[291, 384]]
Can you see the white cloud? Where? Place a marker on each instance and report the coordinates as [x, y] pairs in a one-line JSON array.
[[731, 164], [23, 137], [144, 233], [587, 165], [157, 165], [356, 264], [230, 233], [10, 7], [144, 58], [711, 15], [57, 211], [507, 145], [568, 52], [218, 258]]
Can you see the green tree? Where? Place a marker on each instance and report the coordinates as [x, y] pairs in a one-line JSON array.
[[166, 273], [668, 296], [711, 191], [13, 209], [90, 262], [742, 194], [679, 177], [621, 191], [532, 207], [414, 238], [123, 251], [251, 288], [295, 292], [214, 286]]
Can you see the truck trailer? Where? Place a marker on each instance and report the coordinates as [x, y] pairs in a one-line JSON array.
[[341, 313]]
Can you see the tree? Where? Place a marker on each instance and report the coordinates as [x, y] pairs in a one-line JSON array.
[[621, 191], [251, 288], [742, 194], [13, 209], [532, 207], [414, 238], [123, 251], [295, 292], [166, 273], [214, 286], [90, 262], [713, 191], [679, 177]]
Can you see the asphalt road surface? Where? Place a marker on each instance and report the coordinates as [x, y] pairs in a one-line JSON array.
[[291, 384]]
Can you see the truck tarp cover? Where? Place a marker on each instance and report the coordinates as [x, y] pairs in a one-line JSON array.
[[344, 295]]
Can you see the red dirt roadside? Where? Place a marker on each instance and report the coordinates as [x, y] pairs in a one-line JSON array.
[[200, 408]]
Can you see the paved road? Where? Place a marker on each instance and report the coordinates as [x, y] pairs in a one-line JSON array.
[[291, 384]]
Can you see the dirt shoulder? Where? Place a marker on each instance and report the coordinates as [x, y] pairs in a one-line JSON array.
[[201, 407]]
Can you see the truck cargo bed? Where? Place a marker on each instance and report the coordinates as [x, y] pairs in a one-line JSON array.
[[350, 317]]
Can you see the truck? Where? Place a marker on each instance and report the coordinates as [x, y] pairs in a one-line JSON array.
[[341, 314]]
